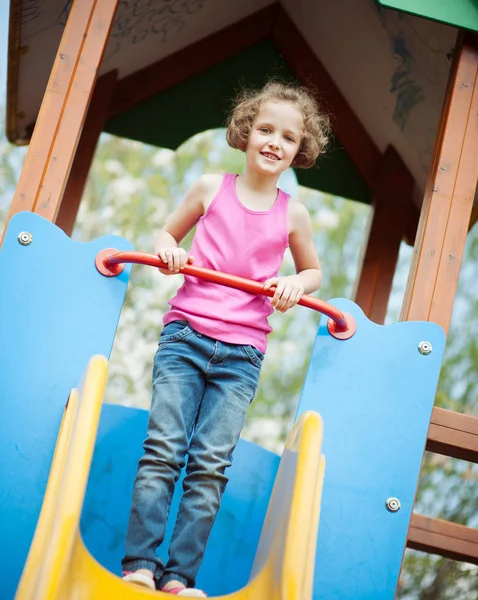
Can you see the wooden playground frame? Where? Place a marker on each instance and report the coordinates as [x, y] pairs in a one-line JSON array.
[[76, 106]]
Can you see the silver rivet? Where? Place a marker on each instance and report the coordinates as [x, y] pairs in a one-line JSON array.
[[393, 504], [424, 347], [25, 238]]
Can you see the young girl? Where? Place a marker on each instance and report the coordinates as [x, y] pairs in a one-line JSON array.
[[206, 369]]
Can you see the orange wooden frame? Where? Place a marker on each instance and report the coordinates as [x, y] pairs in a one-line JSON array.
[[453, 434], [444, 538], [387, 226], [434, 272], [448, 201], [94, 125], [63, 110]]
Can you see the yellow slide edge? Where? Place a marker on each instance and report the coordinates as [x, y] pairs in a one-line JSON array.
[[59, 566]]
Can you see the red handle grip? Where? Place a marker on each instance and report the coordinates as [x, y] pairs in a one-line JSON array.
[[110, 263]]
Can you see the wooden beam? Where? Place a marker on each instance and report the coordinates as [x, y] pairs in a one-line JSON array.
[[63, 110], [448, 201], [453, 434], [190, 61], [352, 134], [434, 272], [447, 539], [387, 225], [94, 125]]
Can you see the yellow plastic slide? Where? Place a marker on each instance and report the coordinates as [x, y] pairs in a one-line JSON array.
[[59, 567]]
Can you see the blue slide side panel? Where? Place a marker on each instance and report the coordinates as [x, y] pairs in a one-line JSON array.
[[375, 393], [56, 311]]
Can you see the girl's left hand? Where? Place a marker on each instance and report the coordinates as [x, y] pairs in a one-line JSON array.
[[288, 292]]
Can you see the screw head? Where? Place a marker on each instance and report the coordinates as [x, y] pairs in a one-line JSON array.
[[424, 347], [393, 504], [25, 238]]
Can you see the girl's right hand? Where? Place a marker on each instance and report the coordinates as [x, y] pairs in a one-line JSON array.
[[176, 259]]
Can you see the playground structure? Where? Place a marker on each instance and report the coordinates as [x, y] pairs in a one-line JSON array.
[[53, 319]]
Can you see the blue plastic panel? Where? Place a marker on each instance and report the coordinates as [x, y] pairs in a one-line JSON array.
[[235, 536], [375, 393], [56, 311]]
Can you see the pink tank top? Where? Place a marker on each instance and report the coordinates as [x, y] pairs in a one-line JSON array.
[[231, 238]]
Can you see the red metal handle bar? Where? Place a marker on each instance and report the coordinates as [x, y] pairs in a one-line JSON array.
[[110, 263]]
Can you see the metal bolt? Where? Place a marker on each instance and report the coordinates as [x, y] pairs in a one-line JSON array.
[[424, 347], [393, 504], [25, 238]]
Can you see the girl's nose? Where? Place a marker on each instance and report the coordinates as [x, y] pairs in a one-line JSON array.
[[274, 144]]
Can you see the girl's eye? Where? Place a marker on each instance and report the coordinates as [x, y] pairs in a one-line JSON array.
[[264, 130], [289, 139]]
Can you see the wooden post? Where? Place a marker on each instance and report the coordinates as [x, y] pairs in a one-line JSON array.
[[94, 125], [436, 536], [64, 107], [433, 279], [448, 201], [387, 226]]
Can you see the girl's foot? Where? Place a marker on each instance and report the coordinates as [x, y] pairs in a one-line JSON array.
[[142, 577], [178, 589]]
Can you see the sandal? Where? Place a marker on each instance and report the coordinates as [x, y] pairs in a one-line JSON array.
[[139, 579], [186, 592]]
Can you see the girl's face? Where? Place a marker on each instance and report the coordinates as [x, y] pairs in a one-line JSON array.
[[275, 137]]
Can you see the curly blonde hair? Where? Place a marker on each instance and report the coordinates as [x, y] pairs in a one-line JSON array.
[[316, 123]]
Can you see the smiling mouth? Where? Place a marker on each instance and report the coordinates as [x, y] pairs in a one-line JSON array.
[[270, 156]]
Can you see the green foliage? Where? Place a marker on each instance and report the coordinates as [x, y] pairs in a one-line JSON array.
[[131, 190]]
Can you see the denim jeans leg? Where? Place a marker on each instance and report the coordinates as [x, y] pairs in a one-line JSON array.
[[178, 385], [232, 377]]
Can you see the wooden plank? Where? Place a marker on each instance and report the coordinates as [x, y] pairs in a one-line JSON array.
[[94, 125], [64, 108], [190, 61], [448, 201], [75, 109], [444, 538], [387, 225], [453, 434], [51, 109], [348, 128]]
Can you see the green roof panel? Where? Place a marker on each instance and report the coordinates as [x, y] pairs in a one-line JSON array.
[[202, 101], [459, 13]]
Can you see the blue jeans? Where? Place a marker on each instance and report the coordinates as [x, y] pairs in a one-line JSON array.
[[202, 389]]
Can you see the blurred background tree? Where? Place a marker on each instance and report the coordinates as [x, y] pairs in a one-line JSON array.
[[133, 187]]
